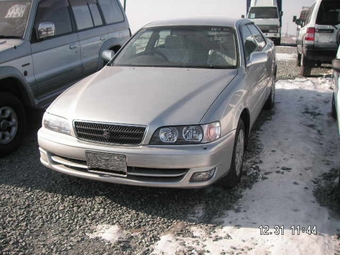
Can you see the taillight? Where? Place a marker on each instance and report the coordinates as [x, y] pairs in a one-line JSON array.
[[310, 35]]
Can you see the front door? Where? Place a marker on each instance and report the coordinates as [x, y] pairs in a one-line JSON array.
[[57, 62]]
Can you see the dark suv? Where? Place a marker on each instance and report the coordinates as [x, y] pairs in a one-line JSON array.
[[317, 38]]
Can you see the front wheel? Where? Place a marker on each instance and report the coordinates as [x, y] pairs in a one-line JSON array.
[[12, 123], [271, 99], [235, 172], [333, 113]]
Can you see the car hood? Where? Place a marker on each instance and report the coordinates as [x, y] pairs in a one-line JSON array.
[[11, 49], [143, 95], [9, 43]]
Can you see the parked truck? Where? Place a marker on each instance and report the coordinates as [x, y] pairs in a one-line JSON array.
[[267, 15]]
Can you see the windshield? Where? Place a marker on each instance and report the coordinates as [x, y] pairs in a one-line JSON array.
[[263, 13], [329, 13], [13, 18], [181, 46]]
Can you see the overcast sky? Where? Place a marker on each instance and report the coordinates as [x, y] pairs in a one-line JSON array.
[[141, 12]]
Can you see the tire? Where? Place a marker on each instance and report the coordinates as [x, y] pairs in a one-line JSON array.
[[234, 176], [12, 123], [277, 42], [269, 104], [306, 67], [333, 113], [298, 60]]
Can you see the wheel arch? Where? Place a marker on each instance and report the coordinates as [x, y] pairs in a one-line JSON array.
[[245, 117], [15, 85]]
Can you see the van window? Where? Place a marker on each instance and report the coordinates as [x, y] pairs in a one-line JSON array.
[[111, 10], [263, 13], [329, 13], [55, 11]]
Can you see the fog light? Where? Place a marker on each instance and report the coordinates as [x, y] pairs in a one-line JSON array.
[[43, 156], [203, 176]]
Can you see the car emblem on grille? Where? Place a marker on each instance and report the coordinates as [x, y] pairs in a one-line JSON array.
[[106, 134]]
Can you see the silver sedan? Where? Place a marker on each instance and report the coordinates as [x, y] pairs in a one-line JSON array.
[[173, 108]]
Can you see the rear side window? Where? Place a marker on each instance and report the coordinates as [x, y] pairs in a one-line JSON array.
[[111, 10], [86, 14], [329, 13], [309, 13]]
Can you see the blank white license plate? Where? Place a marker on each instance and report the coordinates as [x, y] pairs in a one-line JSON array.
[[106, 161]]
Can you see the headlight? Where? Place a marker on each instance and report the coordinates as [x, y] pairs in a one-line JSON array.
[[56, 123], [168, 135], [193, 134]]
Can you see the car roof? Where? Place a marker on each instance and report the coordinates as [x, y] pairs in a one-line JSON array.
[[202, 21]]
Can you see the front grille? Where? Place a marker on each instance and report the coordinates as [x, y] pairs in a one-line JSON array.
[[108, 133]]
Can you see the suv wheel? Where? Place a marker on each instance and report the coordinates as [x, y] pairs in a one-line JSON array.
[[271, 99], [277, 41], [298, 60], [12, 123], [306, 66]]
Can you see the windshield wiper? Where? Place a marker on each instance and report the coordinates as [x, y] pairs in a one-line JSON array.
[[10, 37]]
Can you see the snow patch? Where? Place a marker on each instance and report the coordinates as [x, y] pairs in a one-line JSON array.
[[107, 232]]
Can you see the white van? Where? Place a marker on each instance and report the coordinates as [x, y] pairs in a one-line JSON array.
[[266, 14]]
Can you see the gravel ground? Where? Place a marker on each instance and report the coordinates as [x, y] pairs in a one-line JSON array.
[[289, 69], [44, 212]]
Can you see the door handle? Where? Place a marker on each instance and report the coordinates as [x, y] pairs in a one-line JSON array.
[[73, 46]]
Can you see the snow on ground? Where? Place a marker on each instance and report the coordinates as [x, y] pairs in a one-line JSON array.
[[300, 143]]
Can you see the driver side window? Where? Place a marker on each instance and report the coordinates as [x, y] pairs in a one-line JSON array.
[[56, 12], [249, 43]]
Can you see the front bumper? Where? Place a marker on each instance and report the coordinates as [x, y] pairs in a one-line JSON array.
[[273, 35], [153, 166]]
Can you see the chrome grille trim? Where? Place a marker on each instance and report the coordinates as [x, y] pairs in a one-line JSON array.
[[109, 133], [133, 173]]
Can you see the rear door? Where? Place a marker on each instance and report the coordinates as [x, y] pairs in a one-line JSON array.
[[91, 32], [327, 24], [56, 58]]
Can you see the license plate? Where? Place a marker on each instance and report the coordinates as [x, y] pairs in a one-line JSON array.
[[97, 161]]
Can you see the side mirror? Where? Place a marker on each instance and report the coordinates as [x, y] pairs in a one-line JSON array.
[[257, 58], [294, 18], [281, 13], [299, 22], [45, 29], [336, 65], [107, 55]]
